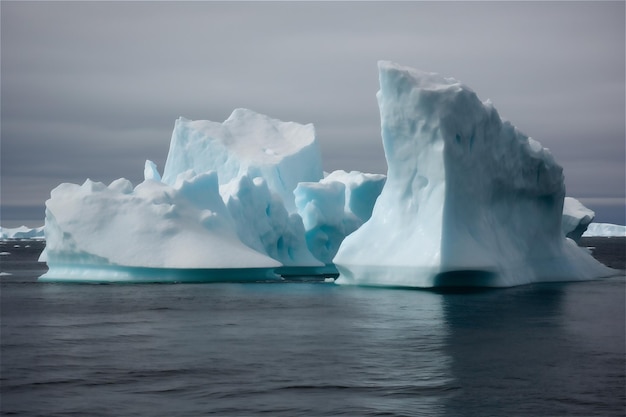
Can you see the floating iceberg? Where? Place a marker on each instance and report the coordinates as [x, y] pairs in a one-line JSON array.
[[153, 232], [605, 230], [224, 209], [22, 232], [469, 199]]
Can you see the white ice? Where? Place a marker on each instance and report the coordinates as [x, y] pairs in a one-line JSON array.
[[466, 195], [605, 230], [263, 223], [576, 218], [334, 207], [469, 199], [259, 162], [247, 143], [22, 232], [225, 202], [95, 232]]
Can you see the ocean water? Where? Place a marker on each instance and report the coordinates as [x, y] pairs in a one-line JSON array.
[[309, 348]]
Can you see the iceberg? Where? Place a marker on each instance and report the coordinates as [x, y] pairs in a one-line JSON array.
[[247, 143], [576, 218], [605, 230], [334, 207], [224, 205], [469, 199], [152, 232], [259, 161], [21, 232]]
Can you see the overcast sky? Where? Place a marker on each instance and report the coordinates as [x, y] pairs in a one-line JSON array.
[[92, 89]]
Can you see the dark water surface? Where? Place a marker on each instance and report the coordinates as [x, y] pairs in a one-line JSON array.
[[309, 348]]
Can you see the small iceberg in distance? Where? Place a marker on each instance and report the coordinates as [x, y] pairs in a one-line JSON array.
[[605, 230], [469, 200], [22, 232]]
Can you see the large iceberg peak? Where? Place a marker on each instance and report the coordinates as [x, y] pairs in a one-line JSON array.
[[465, 191], [423, 112], [247, 143]]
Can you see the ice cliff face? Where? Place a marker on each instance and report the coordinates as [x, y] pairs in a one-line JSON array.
[[465, 191]]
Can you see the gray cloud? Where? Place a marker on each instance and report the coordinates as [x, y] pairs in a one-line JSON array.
[[91, 89]]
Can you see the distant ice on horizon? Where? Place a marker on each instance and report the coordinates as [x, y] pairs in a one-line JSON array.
[[605, 230], [22, 232]]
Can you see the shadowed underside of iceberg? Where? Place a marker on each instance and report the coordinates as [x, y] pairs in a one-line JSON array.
[[469, 199]]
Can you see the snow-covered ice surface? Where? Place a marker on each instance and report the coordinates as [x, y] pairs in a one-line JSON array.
[[469, 199], [148, 233], [576, 218], [605, 230]]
